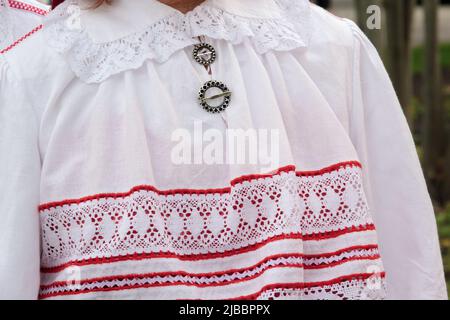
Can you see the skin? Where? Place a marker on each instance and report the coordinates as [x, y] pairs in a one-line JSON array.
[[183, 5]]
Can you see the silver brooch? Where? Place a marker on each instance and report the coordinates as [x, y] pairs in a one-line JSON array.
[[214, 96], [204, 54]]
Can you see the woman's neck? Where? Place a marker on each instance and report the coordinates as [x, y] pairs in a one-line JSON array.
[[182, 5]]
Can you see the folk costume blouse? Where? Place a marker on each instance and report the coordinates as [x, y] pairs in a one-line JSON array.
[[97, 203]]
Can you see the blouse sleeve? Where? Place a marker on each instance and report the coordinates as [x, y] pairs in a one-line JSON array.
[[395, 184], [19, 191]]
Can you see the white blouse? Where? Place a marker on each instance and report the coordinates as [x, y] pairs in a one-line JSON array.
[[115, 183], [18, 18]]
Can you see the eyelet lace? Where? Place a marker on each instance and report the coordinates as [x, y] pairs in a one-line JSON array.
[[95, 62]]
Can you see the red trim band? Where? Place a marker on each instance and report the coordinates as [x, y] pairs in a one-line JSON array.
[[27, 7], [21, 39], [237, 181], [170, 255], [207, 256], [226, 190], [151, 285], [363, 277], [179, 273], [299, 286], [241, 270], [333, 168], [338, 233]]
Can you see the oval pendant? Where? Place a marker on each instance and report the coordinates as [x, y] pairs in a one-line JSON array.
[[214, 96], [205, 54]]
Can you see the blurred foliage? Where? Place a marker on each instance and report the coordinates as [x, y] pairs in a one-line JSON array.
[[443, 214], [418, 57]]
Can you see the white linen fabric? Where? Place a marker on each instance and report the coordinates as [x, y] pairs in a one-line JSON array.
[[17, 18], [86, 146]]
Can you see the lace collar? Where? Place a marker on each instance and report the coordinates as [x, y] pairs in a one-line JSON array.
[[101, 42]]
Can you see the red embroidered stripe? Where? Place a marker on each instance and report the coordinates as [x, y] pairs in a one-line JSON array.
[[339, 252], [208, 256], [169, 255], [105, 288], [338, 233], [343, 261], [361, 277], [27, 7], [229, 276], [226, 190], [287, 286], [21, 39], [180, 273], [332, 168]]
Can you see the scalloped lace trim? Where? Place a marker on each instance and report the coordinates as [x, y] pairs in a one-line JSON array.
[[95, 62], [252, 213], [355, 289]]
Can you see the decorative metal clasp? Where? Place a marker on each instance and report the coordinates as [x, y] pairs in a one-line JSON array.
[[218, 101], [205, 54]]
